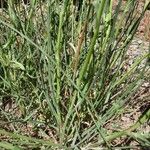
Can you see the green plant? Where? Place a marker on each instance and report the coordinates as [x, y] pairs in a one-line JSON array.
[[69, 71]]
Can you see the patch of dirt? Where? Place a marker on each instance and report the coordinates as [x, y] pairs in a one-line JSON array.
[[144, 28]]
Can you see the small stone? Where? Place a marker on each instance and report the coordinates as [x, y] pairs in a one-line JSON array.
[[140, 42]]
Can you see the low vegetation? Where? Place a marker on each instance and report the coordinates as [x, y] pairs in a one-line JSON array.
[[63, 75]]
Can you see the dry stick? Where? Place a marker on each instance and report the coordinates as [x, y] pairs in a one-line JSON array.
[[80, 42], [77, 53]]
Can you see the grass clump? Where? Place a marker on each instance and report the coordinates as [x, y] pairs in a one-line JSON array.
[[62, 70]]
